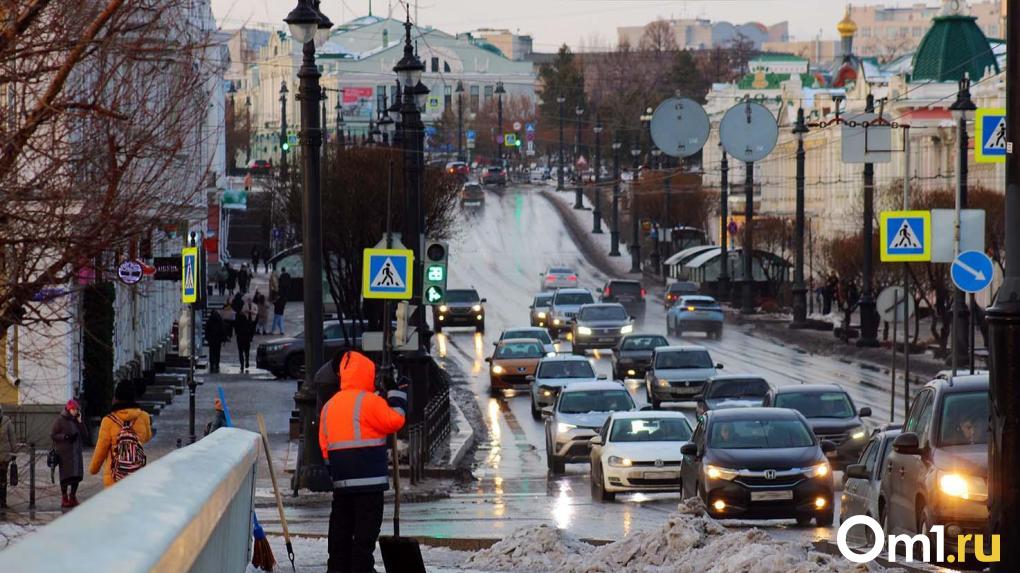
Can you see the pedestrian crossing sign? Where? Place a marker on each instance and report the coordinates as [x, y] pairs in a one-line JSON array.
[[990, 135], [387, 273], [189, 275], [905, 236]]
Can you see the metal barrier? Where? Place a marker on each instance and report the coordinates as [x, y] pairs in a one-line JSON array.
[[188, 511], [428, 419]]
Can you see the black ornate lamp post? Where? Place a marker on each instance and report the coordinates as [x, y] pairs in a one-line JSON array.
[[560, 100], [635, 239], [646, 131], [961, 315], [308, 26], [247, 120], [499, 120], [799, 289], [869, 314], [724, 221], [339, 121], [231, 152], [460, 120], [614, 229], [394, 113], [578, 203], [596, 225], [284, 141]]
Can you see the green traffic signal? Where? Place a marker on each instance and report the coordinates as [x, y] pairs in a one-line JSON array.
[[517, 143], [435, 273], [286, 146], [433, 294]]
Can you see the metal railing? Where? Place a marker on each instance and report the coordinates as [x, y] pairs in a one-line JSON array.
[[428, 419], [191, 510]]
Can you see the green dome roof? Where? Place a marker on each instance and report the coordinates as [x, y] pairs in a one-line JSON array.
[[953, 45]]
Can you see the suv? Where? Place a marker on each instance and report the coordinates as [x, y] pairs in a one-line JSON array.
[[580, 412], [471, 194], [494, 175], [678, 289], [939, 463], [463, 307], [552, 374], [678, 373], [628, 293], [565, 305], [599, 326], [286, 356], [831, 414], [539, 309]]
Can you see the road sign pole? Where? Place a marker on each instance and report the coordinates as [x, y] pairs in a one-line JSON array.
[[747, 303], [906, 277], [866, 306], [724, 221], [895, 325]]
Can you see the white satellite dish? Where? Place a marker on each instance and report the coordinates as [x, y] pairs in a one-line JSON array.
[[748, 131], [680, 127]]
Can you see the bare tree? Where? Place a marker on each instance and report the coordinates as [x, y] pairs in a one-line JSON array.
[[658, 36]]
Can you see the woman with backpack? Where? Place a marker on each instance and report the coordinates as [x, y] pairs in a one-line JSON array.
[[122, 433], [69, 435]]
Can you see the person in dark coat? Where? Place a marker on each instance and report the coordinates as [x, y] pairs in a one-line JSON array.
[[265, 260], [254, 259], [215, 334], [231, 279], [284, 282], [244, 331], [238, 303], [279, 305], [69, 435], [243, 279]]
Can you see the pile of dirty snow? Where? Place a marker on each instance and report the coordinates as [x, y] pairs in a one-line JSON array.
[[541, 548]]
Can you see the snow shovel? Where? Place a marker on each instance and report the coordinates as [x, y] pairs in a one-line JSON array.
[[400, 554]]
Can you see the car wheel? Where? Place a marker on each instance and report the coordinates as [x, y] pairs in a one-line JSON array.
[[576, 351], [557, 466], [480, 327], [804, 520], [826, 518], [598, 487], [535, 413], [718, 333], [295, 366], [677, 330], [925, 521]]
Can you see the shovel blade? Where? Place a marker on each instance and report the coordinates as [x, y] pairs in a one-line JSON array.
[[401, 554]]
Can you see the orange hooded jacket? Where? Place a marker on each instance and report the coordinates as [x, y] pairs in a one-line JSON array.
[[354, 425]]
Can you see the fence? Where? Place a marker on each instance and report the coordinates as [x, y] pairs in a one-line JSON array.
[[188, 511], [428, 418]]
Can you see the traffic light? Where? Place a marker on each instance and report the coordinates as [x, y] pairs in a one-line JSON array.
[[434, 285], [285, 145]]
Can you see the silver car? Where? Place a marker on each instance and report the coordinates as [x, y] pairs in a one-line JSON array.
[[565, 305], [862, 482], [558, 277], [580, 412], [552, 374], [678, 374]]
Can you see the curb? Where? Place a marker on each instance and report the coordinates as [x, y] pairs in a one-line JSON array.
[[580, 237], [465, 434]]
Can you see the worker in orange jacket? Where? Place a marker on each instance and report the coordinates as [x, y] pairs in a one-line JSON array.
[[352, 435]]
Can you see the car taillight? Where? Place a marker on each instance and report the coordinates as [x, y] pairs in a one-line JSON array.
[[605, 292], [550, 279], [643, 292], [572, 278], [670, 297]]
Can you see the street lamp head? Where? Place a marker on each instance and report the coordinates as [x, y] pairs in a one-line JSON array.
[[560, 99], [963, 103], [232, 89], [409, 69], [420, 91], [323, 30], [460, 87], [598, 126], [499, 88], [616, 145], [800, 127], [579, 111], [247, 101], [398, 101], [635, 151], [283, 90], [648, 110], [656, 152], [303, 22]]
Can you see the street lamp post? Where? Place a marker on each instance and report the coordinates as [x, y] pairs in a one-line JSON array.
[[231, 152], [869, 313], [614, 230], [646, 124], [724, 221], [284, 142], [799, 290], [247, 121], [596, 213], [578, 202], [309, 27], [560, 100], [961, 315], [460, 120], [339, 122], [499, 121], [635, 240]]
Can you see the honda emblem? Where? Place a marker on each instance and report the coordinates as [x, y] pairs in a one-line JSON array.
[[770, 474]]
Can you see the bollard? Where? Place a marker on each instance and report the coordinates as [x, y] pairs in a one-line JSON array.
[[31, 476]]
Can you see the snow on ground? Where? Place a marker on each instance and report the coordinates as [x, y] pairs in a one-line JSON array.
[[584, 218], [10, 532]]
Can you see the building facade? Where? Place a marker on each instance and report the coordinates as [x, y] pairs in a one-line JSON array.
[[890, 31], [700, 34]]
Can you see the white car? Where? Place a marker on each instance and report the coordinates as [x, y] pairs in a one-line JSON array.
[[555, 372], [638, 451], [580, 411], [558, 277]]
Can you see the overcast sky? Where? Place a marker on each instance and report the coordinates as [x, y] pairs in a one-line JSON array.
[[553, 22]]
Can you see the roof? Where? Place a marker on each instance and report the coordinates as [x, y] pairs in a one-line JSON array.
[[778, 58], [724, 377], [526, 329], [565, 358], [602, 305], [599, 385], [954, 45], [809, 388], [645, 414], [963, 383], [753, 414], [687, 253], [772, 81], [573, 290], [700, 297], [683, 348], [520, 341], [631, 281]]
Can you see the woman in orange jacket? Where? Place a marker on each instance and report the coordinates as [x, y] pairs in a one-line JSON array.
[[125, 410]]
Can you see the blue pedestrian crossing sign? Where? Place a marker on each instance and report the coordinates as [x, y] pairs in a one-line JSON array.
[[387, 273], [990, 135], [905, 236], [972, 271], [189, 275]]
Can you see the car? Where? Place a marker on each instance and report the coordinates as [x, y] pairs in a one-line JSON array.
[[558, 277], [941, 463], [535, 332], [472, 195], [285, 357], [732, 391], [463, 307], [458, 168], [565, 305], [638, 451], [539, 309], [260, 167], [513, 361], [599, 326], [678, 373], [759, 463], [831, 414], [862, 480], [629, 293], [494, 175], [695, 313], [633, 355], [579, 413], [552, 374], [677, 289]]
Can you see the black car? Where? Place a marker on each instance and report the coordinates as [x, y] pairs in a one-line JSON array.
[[677, 290], [831, 414], [463, 307], [759, 463], [599, 326], [285, 356], [632, 357], [629, 293], [732, 391]]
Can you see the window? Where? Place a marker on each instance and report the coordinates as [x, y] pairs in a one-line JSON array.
[[683, 359], [753, 434], [514, 350], [474, 98], [595, 401], [435, 64], [446, 66], [915, 411], [817, 405], [380, 97], [964, 419], [447, 97], [870, 456], [595, 313], [923, 421], [651, 430], [488, 93], [393, 93]]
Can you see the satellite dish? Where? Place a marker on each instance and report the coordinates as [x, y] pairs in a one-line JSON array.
[[748, 131], [680, 127]]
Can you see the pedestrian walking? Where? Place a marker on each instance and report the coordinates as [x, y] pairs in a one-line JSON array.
[[261, 313], [221, 281], [279, 305], [352, 436], [228, 315], [244, 331], [829, 292], [265, 260], [69, 436], [219, 420], [237, 303], [254, 259], [266, 316], [274, 284], [215, 334], [122, 433], [243, 279], [8, 447], [231, 279], [284, 282]]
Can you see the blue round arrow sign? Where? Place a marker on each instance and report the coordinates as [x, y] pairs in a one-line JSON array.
[[972, 271]]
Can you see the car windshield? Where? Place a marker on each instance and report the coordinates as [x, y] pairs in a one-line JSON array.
[[462, 296], [595, 401], [603, 313], [750, 388], [643, 342], [684, 359], [520, 350], [542, 301], [625, 289], [566, 369], [964, 419], [817, 404], [700, 304], [650, 430], [350, 328], [472, 187], [754, 434], [541, 335], [573, 298]]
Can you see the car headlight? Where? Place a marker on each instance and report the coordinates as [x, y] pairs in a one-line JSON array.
[[541, 315], [858, 433], [556, 321], [963, 486], [618, 462], [275, 347], [443, 308], [627, 329], [662, 383], [497, 369], [562, 428], [477, 308], [583, 330], [716, 472], [817, 471]]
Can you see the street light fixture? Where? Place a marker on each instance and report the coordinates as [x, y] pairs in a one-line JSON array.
[[597, 208], [578, 202], [646, 122], [303, 22], [284, 140], [460, 120], [799, 289], [867, 304], [560, 100], [961, 316], [499, 121], [324, 28], [339, 121], [635, 240], [614, 229], [247, 115]]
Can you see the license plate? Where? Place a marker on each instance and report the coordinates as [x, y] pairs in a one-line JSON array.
[[831, 454], [661, 475], [605, 340], [771, 495]]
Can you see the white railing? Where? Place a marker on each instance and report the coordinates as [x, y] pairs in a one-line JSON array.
[[189, 511]]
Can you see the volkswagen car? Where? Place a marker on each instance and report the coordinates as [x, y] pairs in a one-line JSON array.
[[633, 355], [831, 414], [463, 307], [579, 413], [599, 326], [565, 305], [553, 374], [513, 361], [638, 451], [678, 374]]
